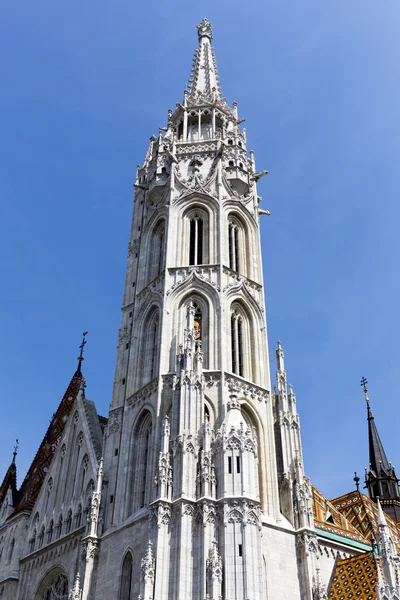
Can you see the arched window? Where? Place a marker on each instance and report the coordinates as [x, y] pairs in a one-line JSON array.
[[140, 478], [242, 352], [78, 517], [32, 541], [68, 522], [233, 246], [41, 537], [84, 467], [58, 589], [150, 347], [194, 314], [237, 240], [126, 578], [49, 489], [237, 343], [156, 260], [50, 532], [59, 527], [196, 240], [11, 550]]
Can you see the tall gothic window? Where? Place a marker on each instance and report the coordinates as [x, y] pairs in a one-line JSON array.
[[150, 347], [157, 251], [237, 343], [196, 240], [233, 246], [126, 578], [140, 477], [41, 537]]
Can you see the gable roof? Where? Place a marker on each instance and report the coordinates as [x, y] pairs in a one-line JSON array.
[[37, 472], [329, 519], [362, 513]]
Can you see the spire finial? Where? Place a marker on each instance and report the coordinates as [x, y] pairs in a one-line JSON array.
[[15, 451], [81, 347], [357, 481], [204, 29], [365, 389]]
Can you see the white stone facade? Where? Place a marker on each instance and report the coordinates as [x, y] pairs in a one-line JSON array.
[[204, 494]]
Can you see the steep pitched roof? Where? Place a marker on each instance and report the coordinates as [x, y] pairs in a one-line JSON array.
[[37, 472], [362, 513], [9, 481], [355, 577], [329, 519]]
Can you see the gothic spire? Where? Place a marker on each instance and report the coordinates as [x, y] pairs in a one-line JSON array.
[[204, 80], [380, 479]]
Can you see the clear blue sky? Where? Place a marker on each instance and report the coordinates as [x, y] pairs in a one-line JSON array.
[[84, 85]]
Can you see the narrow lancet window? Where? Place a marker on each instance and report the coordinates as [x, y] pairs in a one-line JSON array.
[[196, 241], [237, 343], [234, 247]]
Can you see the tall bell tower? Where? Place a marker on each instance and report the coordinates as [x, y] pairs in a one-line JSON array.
[[190, 456]]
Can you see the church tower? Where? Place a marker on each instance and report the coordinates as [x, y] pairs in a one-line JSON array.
[[190, 460]]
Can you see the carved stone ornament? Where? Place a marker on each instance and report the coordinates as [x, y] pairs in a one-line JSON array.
[[214, 562], [161, 513], [148, 564], [91, 545], [76, 592], [248, 390], [307, 543], [114, 421]]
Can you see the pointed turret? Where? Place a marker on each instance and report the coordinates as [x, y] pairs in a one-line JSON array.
[[8, 489], [380, 479], [204, 80]]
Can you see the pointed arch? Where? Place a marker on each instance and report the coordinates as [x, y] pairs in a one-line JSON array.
[[54, 585], [198, 320], [126, 577], [242, 346], [157, 246], [196, 245], [140, 480], [238, 237], [148, 365]]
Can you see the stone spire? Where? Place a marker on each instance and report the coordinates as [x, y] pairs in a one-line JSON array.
[[204, 80], [380, 479]]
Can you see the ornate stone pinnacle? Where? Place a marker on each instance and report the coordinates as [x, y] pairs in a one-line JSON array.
[[204, 29]]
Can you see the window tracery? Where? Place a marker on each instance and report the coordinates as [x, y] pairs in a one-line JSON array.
[[58, 590]]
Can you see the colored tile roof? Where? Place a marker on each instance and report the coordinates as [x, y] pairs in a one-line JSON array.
[[328, 518], [362, 513], [38, 470], [354, 577]]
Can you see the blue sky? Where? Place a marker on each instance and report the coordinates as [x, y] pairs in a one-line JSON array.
[[84, 86]]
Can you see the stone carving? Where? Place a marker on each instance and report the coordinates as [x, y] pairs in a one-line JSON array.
[[114, 421], [164, 470], [214, 562], [307, 543], [142, 394], [246, 389], [161, 513], [148, 564]]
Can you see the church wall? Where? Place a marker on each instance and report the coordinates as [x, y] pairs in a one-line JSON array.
[[279, 547], [114, 545], [64, 556]]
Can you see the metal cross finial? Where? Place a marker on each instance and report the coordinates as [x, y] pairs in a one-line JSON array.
[[81, 347], [365, 389]]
